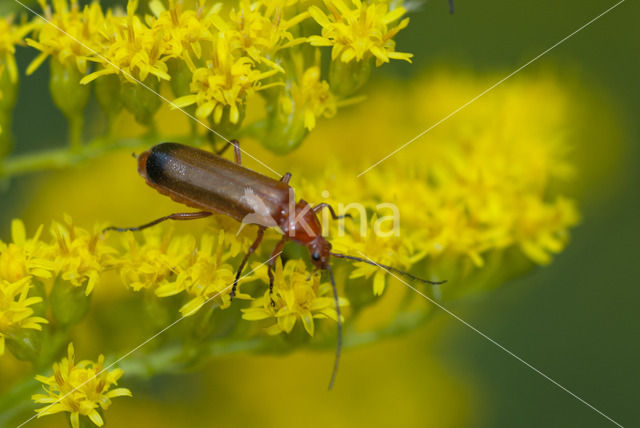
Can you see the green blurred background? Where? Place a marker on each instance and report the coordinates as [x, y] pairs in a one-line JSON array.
[[576, 320]]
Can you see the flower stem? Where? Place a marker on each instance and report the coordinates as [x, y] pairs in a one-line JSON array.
[[76, 124], [66, 157]]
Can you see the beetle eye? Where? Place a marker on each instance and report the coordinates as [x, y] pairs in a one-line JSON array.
[[315, 256]]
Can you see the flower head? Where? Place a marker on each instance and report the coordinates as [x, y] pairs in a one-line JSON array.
[[153, 264], [206, 275], [71, 35], [223, 85], [15, 311], [80, 388], [132, 50], [259, 30], [297, 294], [183, 31], [10, 36], [79, 256], [313, 96], [24, 257], [359, 33]]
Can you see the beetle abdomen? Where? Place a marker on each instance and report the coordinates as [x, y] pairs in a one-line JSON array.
[[204, 180]]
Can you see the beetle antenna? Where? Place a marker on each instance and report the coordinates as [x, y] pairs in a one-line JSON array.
[[390, 268], [339, 345], [133, 154]]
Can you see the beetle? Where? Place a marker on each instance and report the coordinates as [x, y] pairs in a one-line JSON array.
[[215, 185]]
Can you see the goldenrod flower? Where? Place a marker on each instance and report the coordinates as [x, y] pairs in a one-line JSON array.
[[79, 256], [297, 294], [356, 34], [10, 36], [24, 257], [207, 276], [313, 96], [81, 389], [15, 312], [259, 30], [223, 85], [183, 31], [70, 35], [132, 50], [541, 228], [401, 251], [153, 263]]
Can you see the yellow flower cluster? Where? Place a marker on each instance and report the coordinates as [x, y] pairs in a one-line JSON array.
[[15, 311], [165, 264], [170, 265], [82, 388], [70, 35], [361, 32], [465, 197], [73, 255], [20, 261], [462, 194], [214, 56], [297, 295]]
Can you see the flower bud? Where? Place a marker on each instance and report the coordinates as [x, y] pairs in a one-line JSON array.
[[69, 304], [181, 77], [25, 344], [108, 95], [284, 128], [68, 94], [346, 78], [284, 133], [142, 102]]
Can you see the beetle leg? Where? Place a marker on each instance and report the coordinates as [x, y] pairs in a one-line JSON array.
[[237, 153], [245, 259], [176, 216], [277, 251], [285, 178], [319, 207]]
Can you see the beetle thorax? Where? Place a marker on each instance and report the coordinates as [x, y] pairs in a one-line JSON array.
[[301, 224]]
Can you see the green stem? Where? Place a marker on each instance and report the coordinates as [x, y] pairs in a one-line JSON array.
[[65, 157], [17, 401], [76, 124]]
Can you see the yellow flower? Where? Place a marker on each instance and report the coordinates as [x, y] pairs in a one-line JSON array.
[[206, 276], [24, 257], [81, 388], [223, 84], [297, 294], [10, 36], [15, 312], [70, 35], [314, 96], [401, 251], [153, 264], [541, 228], [132, 50], [79, 256], [356, 34], [259, 30], [183, 31]]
